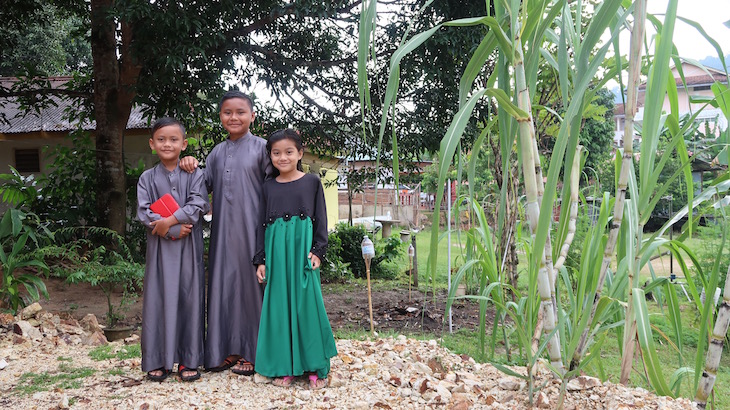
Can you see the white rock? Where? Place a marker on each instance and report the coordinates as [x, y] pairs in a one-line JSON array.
[[259, 379], [30, 311], [401, 338], [304, 394], [509, 383], [3, 364], [25, 329], [542, 401], [450, 377], [422, 368], [63, 404], [583, 383], [432, 343]]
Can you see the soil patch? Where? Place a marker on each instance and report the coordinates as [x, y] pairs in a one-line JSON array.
[[347, 307]]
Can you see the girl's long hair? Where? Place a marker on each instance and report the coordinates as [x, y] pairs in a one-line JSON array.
[[288, 134]]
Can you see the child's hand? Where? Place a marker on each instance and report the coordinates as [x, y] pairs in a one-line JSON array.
[[261, 273], [188, 164], [185, 230], [315, 260], [162, 226]]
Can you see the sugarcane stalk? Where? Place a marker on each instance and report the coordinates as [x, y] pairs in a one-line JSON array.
[[714, 350], [627, 162], [531, 170], [630, 321], [574, 183]]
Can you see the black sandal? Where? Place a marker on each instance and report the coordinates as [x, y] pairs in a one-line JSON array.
[[228, 362], [244, 362], [158, 378], [192, 377]]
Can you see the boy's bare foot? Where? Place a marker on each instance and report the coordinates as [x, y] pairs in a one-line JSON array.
[[158, 375], [285, 381], [227, 363]]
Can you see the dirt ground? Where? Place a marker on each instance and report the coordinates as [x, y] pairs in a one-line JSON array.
[[347, 308]]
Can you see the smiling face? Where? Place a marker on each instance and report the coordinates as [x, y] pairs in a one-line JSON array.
[[236, 116], [168, 142], [285, 156]]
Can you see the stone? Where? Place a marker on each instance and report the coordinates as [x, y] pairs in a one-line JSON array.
[[63, 404], [461, 404], [26, 330], [509, 383], [583, 383], [336, 379], [3, 364], [260, 379], [304, 395], [30, 311], [6, 319], [96, 338], [132, 340], [90, 324], [34, 322], [542, 401]]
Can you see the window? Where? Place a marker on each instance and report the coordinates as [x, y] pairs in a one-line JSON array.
[[701, 88], [28, 160]]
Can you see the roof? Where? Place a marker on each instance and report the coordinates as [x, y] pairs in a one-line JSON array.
[[694, 80], [51, 118]]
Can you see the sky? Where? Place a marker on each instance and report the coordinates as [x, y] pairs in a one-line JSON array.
[[711, 14]]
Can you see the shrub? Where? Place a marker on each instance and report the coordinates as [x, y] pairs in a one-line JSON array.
[[387, 252], [333, 268]]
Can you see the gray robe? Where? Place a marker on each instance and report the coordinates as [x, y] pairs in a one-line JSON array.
[[174, 282], [234, 172]]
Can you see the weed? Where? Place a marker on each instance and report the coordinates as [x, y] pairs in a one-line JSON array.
[[64, 359], [107, 352], [116, 372], [66, 377]]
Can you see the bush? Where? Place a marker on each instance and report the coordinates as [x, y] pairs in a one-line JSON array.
[[387, 252], [333, 268]]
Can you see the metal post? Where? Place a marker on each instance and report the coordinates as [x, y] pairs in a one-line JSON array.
[[368, 252]]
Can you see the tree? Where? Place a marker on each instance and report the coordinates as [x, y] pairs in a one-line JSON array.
[[174, 58]]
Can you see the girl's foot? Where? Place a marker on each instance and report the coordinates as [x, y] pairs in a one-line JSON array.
[[285, 381], [316, 383]]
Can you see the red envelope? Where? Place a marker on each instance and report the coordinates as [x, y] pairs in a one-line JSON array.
[[165, 206]]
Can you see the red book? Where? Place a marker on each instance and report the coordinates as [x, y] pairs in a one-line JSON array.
[[165, 206]]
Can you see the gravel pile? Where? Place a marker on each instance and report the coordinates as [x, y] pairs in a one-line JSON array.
[[387, 373]]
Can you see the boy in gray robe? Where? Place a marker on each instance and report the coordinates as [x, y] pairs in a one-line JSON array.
[[173, 322]]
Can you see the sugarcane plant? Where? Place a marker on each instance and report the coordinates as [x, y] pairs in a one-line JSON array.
[[523, 37]]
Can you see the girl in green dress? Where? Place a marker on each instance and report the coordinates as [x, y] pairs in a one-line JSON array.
[[295, 337]]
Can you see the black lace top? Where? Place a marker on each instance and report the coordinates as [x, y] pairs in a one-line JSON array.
[[296, 199]]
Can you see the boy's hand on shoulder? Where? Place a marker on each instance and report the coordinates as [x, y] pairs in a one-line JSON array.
[[185, 230], [188, 164], [315, 260], [261, 273]]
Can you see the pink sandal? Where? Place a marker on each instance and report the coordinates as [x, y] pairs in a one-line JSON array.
[[284, 381], [316, 383]]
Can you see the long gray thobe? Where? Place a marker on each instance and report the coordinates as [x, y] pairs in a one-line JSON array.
[[173, 318], [234, 172]]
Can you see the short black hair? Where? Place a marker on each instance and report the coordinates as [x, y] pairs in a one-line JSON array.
[[166, 121], [231, 94]]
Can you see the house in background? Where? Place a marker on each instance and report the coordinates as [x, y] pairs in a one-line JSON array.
[[26, 135], [698, 85]]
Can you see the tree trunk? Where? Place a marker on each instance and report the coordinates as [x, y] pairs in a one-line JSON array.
[[113, 95]]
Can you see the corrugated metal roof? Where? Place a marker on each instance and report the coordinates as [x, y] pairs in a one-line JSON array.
[[53, 117]]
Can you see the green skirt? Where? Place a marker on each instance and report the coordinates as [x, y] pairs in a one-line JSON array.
[[295, 336]]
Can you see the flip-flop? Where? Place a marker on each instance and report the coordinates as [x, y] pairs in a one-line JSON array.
[[193, 377], [316, 383], [244, 362], [284, 381], [229, 362], [158, 378]]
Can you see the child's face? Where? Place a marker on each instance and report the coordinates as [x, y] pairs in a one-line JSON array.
[[168, 142], [236, 116], [285, 155]]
